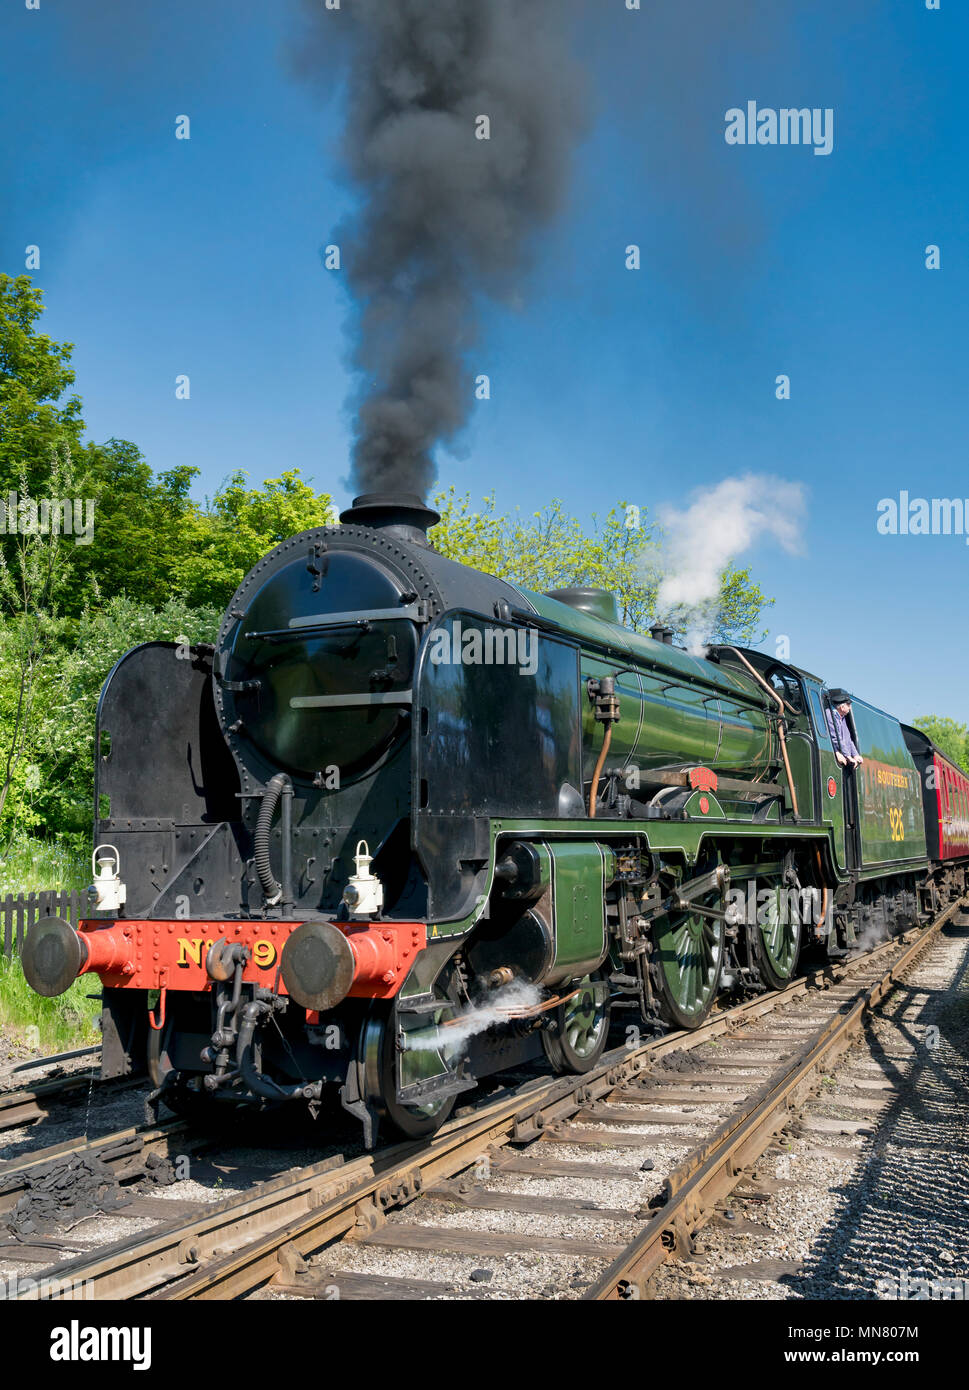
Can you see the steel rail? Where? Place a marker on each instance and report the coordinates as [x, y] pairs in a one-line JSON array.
[[407, 1169], [26, 1105], [227, 1239], [215, 1254], [54, 1061]]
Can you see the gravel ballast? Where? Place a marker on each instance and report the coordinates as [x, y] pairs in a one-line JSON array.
[[876, 1215]]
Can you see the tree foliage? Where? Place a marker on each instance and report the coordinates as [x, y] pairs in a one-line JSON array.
[[139, 527], [947, 734], [32, 580], [552, 550], [153, 540], [161, 565], [220, 543], [34, 374]]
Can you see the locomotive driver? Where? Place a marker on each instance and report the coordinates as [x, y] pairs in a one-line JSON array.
[[845, 750]]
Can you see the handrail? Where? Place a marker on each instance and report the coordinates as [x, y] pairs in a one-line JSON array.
[[782, 705]]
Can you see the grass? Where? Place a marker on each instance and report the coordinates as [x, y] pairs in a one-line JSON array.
[[48, 1025], [29, 865]]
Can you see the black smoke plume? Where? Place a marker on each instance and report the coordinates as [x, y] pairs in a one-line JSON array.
[[445, 218]]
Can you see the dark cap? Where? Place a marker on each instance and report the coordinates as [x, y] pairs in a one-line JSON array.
[[839, 697]]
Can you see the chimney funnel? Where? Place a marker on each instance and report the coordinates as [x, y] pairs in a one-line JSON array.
[[401, 514]]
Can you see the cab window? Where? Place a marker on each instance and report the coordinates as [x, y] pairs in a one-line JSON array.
[[788, 688], [820, 723]]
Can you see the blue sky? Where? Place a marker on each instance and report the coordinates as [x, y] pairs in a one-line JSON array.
[[161, 257]]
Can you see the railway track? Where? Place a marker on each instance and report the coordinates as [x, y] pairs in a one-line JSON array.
[[25, 1105], [42, 1063], [692, 1111], [29, 1105]]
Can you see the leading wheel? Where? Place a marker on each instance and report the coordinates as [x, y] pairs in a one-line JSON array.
[[577, 1035], [776, 935], [388, 1066]]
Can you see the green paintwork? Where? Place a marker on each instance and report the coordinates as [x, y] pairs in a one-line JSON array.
[[889, 791], [578, 894], [800, 754], [679, 710], [676, 708], [428, 1053], [687, 836], [778, 926], [666, 722], [583, 1020], [714, 811], [831, 810], [672, 661], [690, 953]]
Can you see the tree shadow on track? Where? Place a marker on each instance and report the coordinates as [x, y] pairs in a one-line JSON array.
[[905, 1216]]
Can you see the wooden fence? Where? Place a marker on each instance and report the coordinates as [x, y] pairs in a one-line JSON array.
[[19, 912]]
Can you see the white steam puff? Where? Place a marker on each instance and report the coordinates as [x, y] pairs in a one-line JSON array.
[[518, 995], [718, 526]]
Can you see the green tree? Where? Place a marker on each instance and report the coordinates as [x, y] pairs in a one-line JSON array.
[[947, 734], [140, 524], [738, 613], [32, 581], [153, 540], [35, 372], [220, 542], [552, 550]]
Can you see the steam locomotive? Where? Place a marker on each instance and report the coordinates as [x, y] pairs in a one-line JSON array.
[[407, 825]]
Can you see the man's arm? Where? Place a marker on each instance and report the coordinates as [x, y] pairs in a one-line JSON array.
[[834, 721], [845, 741]]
